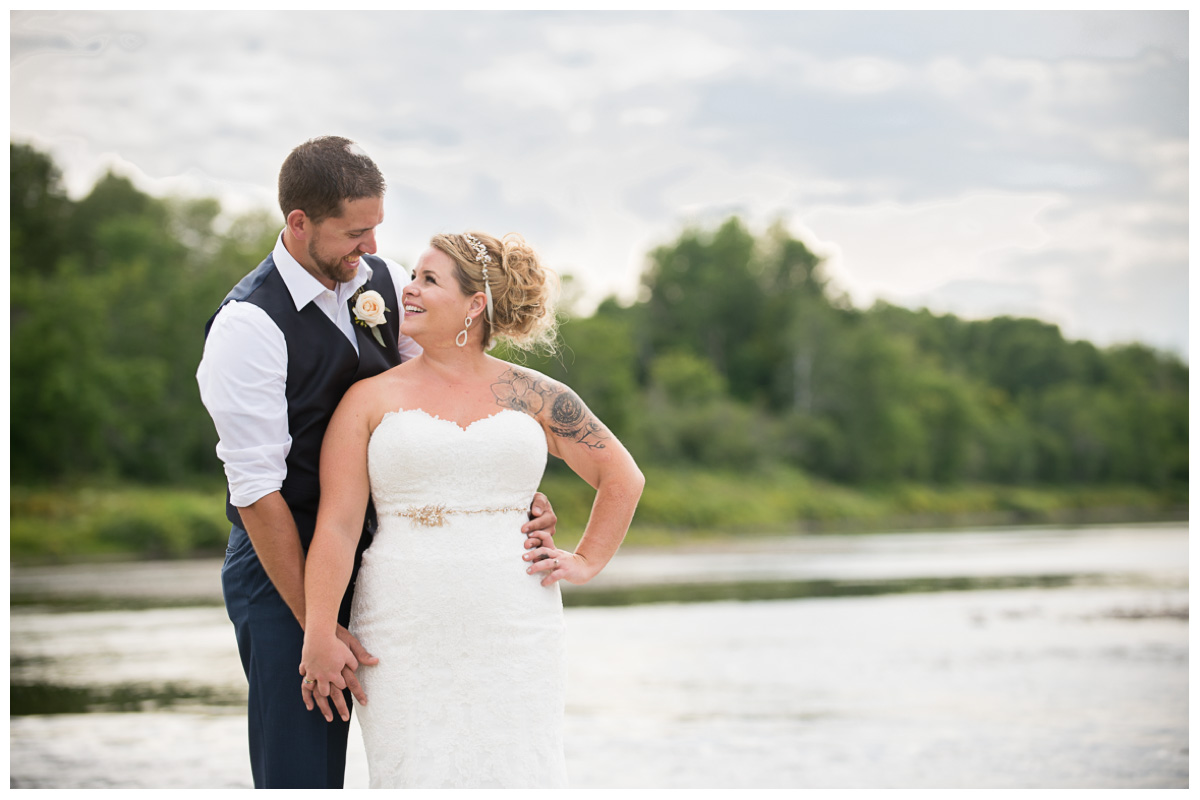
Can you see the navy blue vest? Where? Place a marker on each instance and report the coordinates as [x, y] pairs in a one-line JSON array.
[[321, 366]]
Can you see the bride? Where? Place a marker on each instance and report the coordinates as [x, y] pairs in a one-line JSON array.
[[468, 690]]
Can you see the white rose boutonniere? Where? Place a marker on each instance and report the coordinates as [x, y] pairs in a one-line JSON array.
[[369, 311]]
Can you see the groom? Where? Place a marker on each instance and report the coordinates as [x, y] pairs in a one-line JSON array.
[[282, 349]]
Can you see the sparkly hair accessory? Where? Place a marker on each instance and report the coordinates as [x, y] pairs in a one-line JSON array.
[[484, 258]]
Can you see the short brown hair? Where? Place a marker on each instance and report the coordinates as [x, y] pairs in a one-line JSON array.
[[319, 174]]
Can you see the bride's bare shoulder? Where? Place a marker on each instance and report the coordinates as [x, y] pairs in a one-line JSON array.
[[514, 380], [374, 395], [525, 389], [552, 403]]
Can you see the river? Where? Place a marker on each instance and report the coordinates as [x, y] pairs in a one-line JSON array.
[[1003, 658]]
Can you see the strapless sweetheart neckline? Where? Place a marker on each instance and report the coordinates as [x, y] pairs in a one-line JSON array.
[[401, 411]]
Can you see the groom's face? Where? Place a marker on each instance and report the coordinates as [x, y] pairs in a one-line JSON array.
[[337, 244]]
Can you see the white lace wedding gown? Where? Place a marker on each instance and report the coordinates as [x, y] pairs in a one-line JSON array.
[[468, 692]]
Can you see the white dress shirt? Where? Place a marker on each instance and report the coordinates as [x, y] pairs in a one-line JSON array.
[[243, 375]]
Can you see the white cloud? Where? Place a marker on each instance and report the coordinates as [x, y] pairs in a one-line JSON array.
[[586, 61], [627, 56], [896, 251], [1051, 168], [1163, 159], [644, 115], [949, 76], [1098, 271], [858, 75]]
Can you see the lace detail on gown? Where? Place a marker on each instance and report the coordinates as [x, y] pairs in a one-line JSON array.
[[469, 688]]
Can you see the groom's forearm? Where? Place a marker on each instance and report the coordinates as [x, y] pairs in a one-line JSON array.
[[276, 541]]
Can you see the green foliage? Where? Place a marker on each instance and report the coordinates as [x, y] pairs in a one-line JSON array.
[[741, 358], [688, 418], [107, 329], [38, 209], [151, 522], [681, 504], [885, 395], [700, 289]]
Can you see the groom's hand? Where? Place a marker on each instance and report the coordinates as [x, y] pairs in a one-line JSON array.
[[322, 666], [363, 657], [540, 528]]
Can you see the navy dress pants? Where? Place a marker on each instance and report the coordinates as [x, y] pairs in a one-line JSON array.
[[290, 746]]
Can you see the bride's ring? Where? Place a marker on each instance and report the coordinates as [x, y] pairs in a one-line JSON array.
[[306, 680], [556, 562]]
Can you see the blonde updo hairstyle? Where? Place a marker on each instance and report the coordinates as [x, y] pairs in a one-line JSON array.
[[523, 291]]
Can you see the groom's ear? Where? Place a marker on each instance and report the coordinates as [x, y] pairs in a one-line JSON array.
[[299, 224]]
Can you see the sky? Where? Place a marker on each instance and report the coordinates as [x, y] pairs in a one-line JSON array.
[[976, 163]]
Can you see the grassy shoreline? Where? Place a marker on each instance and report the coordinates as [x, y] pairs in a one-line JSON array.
[[678, 508]]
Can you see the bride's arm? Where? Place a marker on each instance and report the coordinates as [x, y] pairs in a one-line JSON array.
[[327, 659], [576, 436]]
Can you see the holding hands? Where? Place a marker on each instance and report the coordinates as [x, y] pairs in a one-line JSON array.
[[328, 664]]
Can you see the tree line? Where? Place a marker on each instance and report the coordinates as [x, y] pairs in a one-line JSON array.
[[740, 356]]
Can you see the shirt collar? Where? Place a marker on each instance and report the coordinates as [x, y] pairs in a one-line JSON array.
[[303, 287]]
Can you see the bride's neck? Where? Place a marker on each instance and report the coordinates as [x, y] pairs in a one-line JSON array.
[[455, 364]]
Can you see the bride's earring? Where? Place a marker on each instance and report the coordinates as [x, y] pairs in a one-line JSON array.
[[461, 339]]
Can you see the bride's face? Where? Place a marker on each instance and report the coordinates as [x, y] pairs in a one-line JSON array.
[[434, 305]]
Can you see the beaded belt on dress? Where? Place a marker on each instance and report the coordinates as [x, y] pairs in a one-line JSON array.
[[435, 516]]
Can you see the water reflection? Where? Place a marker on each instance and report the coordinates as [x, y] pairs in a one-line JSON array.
[[618, 594], [878, 665], [44, 698]]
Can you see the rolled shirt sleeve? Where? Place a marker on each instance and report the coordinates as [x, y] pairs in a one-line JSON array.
[[243, 381]]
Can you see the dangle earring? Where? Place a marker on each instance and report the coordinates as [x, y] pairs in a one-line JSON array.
[[461, 339]]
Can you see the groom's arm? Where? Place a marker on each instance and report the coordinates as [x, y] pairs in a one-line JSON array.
[[242, 379], [272, 530], [243, 384]]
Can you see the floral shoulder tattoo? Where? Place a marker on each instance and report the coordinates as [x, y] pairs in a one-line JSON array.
[[569, 417]]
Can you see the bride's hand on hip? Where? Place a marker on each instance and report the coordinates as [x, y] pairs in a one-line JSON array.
[[321, 665], [559, 565]]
